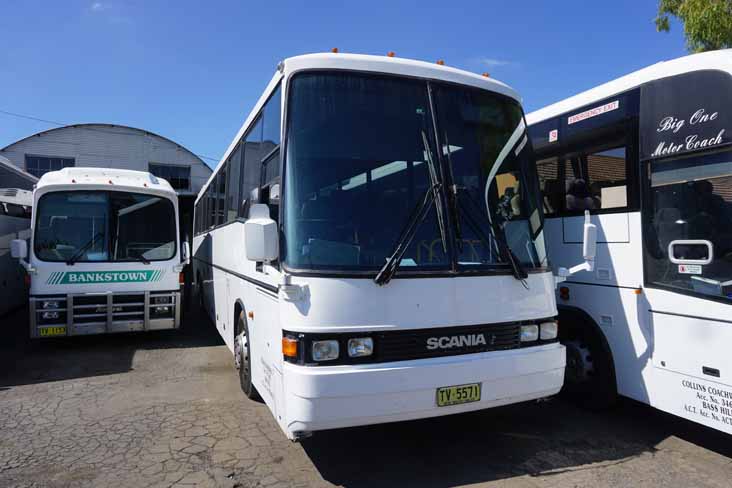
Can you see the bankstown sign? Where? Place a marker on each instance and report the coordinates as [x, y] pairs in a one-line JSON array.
[[685, 113], [87, 277]]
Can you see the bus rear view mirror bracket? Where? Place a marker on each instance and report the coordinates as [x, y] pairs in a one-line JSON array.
[[19, 251], [589, 250], [260, 235]]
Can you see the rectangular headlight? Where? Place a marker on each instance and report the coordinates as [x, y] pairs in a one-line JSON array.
[[529, 333], [50, 315], [325, 350], [549, 331], [360, 346], [49, 304]]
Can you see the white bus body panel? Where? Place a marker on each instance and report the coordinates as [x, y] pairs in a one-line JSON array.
[[660, 340], [307, 398]]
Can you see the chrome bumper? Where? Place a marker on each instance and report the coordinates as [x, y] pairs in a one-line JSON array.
[[103, 313]]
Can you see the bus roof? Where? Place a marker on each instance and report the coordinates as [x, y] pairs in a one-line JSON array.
[[396, 66], [106, 177], [363, 63], [713, 60]]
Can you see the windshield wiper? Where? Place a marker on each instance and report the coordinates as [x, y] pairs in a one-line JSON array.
[[405, 238], [142, 258], [432, 170], [84, 248], [432, 196], [499, 236]]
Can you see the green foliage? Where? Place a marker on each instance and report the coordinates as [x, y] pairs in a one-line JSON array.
[[707, 23]]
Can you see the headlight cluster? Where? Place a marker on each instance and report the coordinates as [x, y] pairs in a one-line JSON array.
[[300, 349], [546, 331]]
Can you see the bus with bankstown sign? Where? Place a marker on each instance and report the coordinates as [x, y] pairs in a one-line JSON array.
[[105, 254]]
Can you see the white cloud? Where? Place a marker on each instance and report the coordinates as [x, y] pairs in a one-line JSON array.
[[492, 62]]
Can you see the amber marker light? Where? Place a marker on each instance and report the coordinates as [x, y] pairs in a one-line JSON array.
[[486, 75], [564, 293], [334, 50], [289, 347], [390, 54], [441, 62], [638, 291]]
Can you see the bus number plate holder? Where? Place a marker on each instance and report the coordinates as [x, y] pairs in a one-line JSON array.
[[456, 395]]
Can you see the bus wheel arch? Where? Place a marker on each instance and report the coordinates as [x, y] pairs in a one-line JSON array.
[[590, 378]]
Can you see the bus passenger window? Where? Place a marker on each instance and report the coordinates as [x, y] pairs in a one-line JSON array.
[[596, 180]]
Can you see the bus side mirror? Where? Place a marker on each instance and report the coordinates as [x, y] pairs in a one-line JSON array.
[[19, 249], [186, 253], [589, 249], [260, 235], [589, 239]]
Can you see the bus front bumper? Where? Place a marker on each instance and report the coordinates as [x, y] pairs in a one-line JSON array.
[[74, 314], [329, 397]]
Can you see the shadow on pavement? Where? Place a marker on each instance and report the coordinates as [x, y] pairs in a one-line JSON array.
[[26, 361], [533, 439]]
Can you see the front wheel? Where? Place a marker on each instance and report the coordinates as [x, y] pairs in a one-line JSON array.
[[243, 357], [589, 378]]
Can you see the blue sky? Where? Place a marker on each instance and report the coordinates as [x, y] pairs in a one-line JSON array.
[[191, 70]]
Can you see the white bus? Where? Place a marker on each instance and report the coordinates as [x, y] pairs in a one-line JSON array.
[[649, 156], [104, 253], [15, 215], [354, 258]]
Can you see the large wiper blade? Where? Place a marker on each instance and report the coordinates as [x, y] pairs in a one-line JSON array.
[[432, 170], [499, 236], [84, 248], [455, 204], [405, 238]]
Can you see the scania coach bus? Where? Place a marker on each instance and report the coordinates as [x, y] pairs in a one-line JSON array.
[[650, 156], [104, 253], [370, 246]]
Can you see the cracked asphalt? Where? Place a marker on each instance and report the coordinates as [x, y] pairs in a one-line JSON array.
[[165, 409]]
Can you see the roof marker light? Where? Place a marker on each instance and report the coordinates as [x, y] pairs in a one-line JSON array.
[[441, 62], [390, 54], [334, 50], [73, 180], [486, 75], [110, 182]]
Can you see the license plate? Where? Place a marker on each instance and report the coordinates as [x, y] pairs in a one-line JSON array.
[[52, 331], [455, 395]]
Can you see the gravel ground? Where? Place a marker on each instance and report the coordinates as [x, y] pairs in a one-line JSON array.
[[165, 409]]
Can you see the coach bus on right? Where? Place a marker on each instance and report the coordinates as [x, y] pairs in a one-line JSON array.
[[650, 156]]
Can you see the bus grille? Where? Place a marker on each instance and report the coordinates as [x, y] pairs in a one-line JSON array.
[[93, 308], [448, 341]]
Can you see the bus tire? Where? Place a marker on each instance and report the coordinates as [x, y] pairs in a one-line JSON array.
[[589, 378], [242, 353]]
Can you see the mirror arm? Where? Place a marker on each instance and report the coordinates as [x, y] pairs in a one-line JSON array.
[[588, 250], [27, 266]]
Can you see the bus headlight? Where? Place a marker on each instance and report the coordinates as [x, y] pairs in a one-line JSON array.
[[50, 315], [529, 333], [548, 331], [325, 350], [46, 304], [360, 346]]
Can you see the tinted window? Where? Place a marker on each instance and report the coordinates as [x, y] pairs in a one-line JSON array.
[[179, 177], [233, 186], [272, 123], [104, 226], [252, 160], [40, 165], [356, 170], [690, 199]]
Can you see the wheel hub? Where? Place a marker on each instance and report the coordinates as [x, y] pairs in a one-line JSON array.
[[580, 367]]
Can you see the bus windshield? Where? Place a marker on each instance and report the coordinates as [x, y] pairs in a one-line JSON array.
[[358, 164], [100, 226]]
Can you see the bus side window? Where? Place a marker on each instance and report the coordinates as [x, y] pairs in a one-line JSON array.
[[551, 188]]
